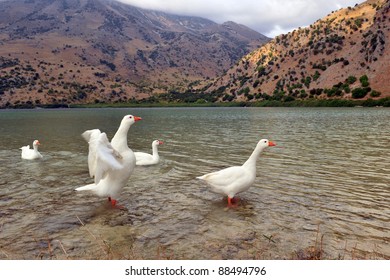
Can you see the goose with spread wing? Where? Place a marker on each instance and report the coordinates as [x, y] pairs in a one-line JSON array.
[[110, 164]]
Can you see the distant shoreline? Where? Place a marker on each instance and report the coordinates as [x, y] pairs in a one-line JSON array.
[[383, 102]]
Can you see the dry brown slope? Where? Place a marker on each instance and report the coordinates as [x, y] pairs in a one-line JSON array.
[[80, 51], [317, 61]]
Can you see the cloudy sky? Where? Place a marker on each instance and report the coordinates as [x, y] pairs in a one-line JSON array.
[[269, 17]]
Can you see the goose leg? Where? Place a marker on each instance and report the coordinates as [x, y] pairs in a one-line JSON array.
[[114, 205], [232, 202], [113, 201]]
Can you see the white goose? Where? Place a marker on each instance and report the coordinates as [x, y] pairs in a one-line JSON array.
[[149, 159], [28, 153], [110, 163], [233, 180]]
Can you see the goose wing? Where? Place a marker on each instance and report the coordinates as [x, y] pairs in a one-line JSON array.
[[224, 177], [102, 157]]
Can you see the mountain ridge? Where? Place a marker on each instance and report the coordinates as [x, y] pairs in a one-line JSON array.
[[344, 55], [85, 51]]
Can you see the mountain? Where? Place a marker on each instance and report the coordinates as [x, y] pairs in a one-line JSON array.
[[345, 55], [82, 51]]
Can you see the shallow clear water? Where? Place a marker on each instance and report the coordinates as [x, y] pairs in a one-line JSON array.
[[328, 177]]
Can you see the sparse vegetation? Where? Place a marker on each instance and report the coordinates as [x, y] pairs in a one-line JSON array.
[[304, 56], [296, 67]]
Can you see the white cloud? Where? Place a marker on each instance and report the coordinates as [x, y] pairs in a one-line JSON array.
[[265, 16]]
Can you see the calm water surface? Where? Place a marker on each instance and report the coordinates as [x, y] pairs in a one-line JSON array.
[[328, 179]]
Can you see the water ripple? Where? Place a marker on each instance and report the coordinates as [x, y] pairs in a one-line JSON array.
[[329, 171]]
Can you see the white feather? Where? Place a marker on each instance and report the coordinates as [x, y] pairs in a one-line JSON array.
[[111, 164], [149, 159], [233, 180], [31, 154], [104, 157]]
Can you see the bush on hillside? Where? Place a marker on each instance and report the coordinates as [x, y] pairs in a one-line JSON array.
[[360, 92]]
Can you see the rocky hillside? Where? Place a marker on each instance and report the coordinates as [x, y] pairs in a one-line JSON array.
[[81, 51], [345, 55]]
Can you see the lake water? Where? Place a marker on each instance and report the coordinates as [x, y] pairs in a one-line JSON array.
[[325, 185]]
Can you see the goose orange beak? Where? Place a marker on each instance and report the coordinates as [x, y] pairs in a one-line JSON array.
[[270, 144], [137, 118]]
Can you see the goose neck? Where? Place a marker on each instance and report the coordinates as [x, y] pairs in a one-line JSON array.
[[253, 157], [154, 150], [119, 141]]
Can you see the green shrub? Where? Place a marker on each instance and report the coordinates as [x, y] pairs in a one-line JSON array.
[[360, 92], [249, 96], [364, 81], [377, 102], [307, 81], [288, 98], [346, 88], [358, 22], [316, 76], [351, 79]]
